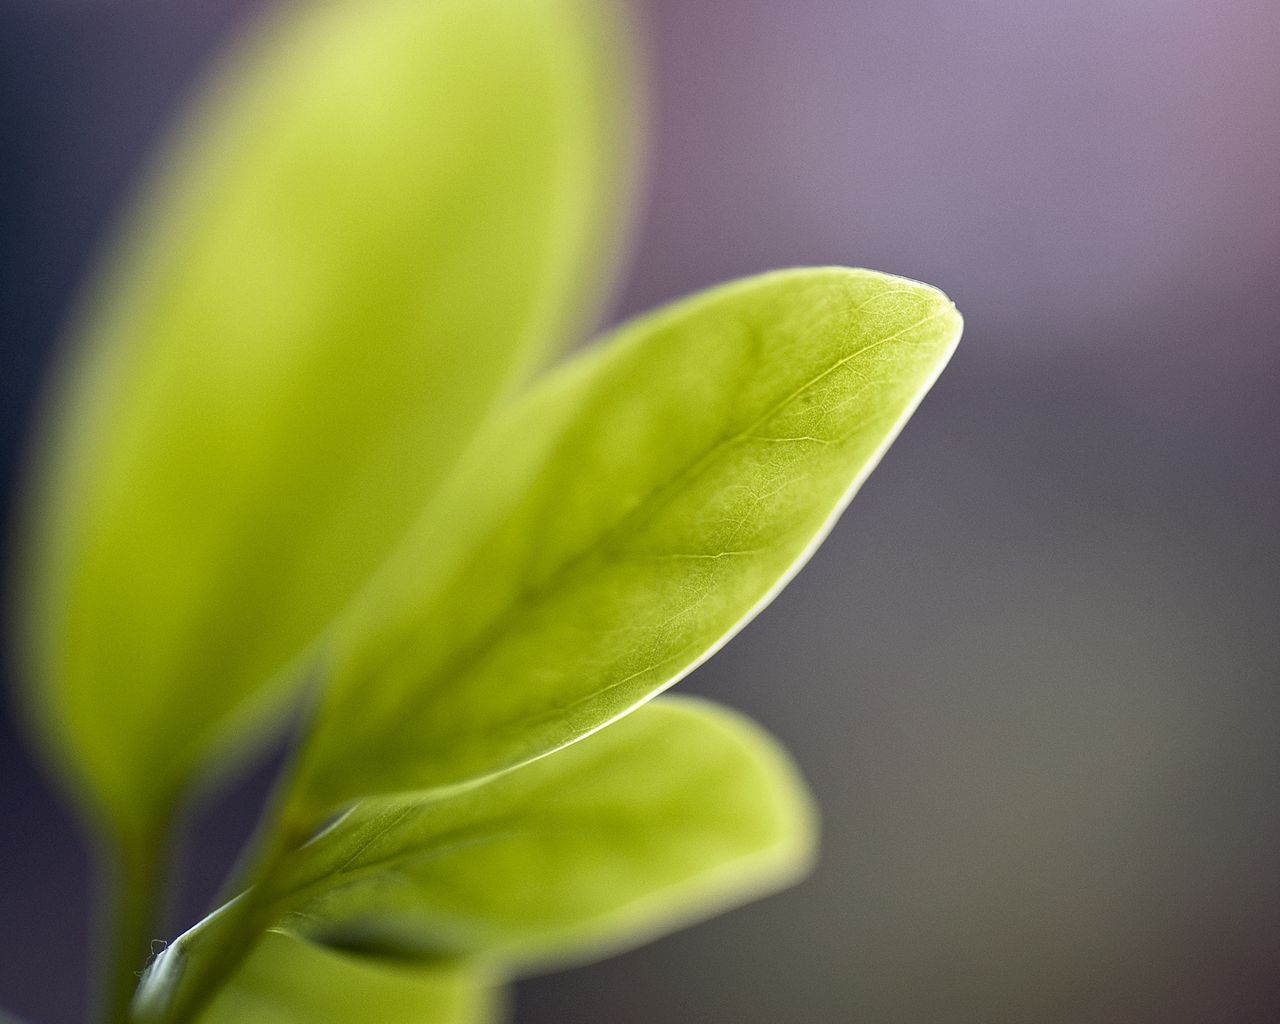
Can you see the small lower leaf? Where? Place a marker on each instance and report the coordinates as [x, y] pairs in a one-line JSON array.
[[673, 813], [288, 981]]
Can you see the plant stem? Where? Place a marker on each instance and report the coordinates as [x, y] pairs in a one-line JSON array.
[[187, 976], [223, 940], [207, 956], [134, 879], [229, 935]]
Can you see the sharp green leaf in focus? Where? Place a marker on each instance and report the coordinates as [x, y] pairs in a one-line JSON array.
[[379, 219], [674, 813], [287, 981], [616, 526]]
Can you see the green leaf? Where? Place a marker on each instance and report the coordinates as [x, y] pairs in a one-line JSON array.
[[377, 221], [616, 527], [286, 981], [675, 813]]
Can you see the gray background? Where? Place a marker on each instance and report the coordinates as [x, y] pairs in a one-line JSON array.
[[1033, 674]]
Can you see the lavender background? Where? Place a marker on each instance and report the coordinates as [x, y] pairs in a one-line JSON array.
[[1033, 675]]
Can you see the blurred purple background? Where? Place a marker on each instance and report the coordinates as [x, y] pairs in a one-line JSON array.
[[1034, 674]]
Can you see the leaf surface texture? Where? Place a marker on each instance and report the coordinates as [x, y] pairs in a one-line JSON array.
[[611, 530]]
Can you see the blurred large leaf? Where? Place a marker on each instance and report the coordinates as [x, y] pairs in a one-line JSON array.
[[374, 224], [674, 813], [617, 526], [287, 981]]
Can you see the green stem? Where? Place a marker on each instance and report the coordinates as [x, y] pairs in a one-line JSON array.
[[203, 959], [135, 878], [199, 963]]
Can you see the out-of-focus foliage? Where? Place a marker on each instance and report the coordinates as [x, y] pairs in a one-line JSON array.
[[287, 981], [292, 447], [381, 216]]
